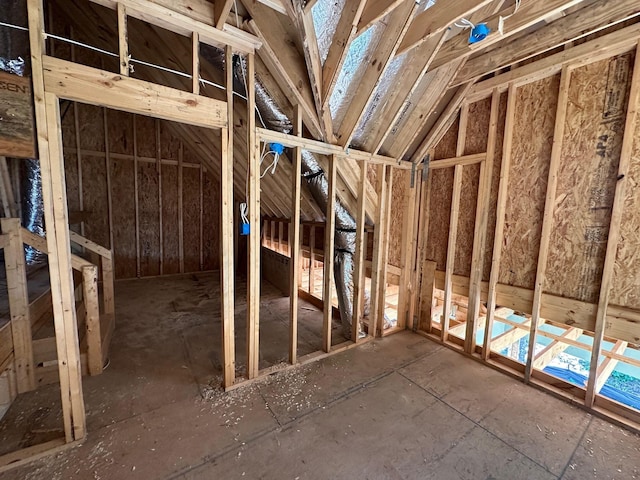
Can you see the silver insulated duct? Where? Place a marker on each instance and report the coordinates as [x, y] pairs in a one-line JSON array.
[[273, 118]]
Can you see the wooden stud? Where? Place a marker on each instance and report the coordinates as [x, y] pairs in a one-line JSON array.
[[201, 217], [483, 207], [312, 260], [226, 233], [107, 159], [294, 243], [253, 302], [123, 39], [195, 63], [358, 269], [159, 170], [329, 235], [453, 222], [614, 228], [547, 220], [407, 257], [19, 305], [501, 208], [272, 235], [180, 207], [375, 322], [8, 188], [451, 251], [384, 251], [136, 195], [52, 167], [92, 319]]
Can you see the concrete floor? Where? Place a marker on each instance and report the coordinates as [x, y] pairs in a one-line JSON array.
[[398, 408]]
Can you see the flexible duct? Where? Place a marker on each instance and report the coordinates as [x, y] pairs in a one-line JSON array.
[[273, 118]]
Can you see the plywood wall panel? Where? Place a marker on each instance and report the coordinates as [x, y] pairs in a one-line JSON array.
[[191, 218], [531, 152], [149, 219], [466, 220], [211, 230], [169, 145], [626, 280], [146, 133], [401, 179], [446, 147], [96, 205], [171, 252], [439, 210], [91, 122], [124, 236], [592, 142], [120, 132]]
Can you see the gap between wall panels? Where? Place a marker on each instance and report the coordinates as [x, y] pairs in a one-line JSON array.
[[528, 258]]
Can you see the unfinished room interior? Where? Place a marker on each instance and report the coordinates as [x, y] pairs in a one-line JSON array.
[[321, 239]]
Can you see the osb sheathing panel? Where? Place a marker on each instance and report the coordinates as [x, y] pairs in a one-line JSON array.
[[531, 152], [626, 280], [210, 234], [475, 142], [439, 209], [466, 220], [91, 121], [149, 218], [120, 132], [495, 185], [191, 218], [594, 127], [124, 237], [170, 237], [440, 200], [401, 179], [96, 205], [146, 133]]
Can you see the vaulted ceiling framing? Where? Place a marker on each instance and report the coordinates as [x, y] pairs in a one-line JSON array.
[[384, 76]]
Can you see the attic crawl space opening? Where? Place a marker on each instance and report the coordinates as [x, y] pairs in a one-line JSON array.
[[206, 194]]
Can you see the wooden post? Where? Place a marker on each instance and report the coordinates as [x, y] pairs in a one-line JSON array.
[[547, 220], [47, 115], [480, 233], [375, 323], [123, 40], [253, 292], [226, 233], [92, 319], [294, 241], [8, 197], [201, 217], [424, 287], [614, 230], [358, 269], [501, 208], [329, 235], [19, 305]]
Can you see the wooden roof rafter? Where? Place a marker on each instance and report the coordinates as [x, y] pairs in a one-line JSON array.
[[397, 23]]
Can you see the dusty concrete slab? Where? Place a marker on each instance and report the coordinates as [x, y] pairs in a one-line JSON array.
[[605, 452], [474, 390], [400, 407]]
